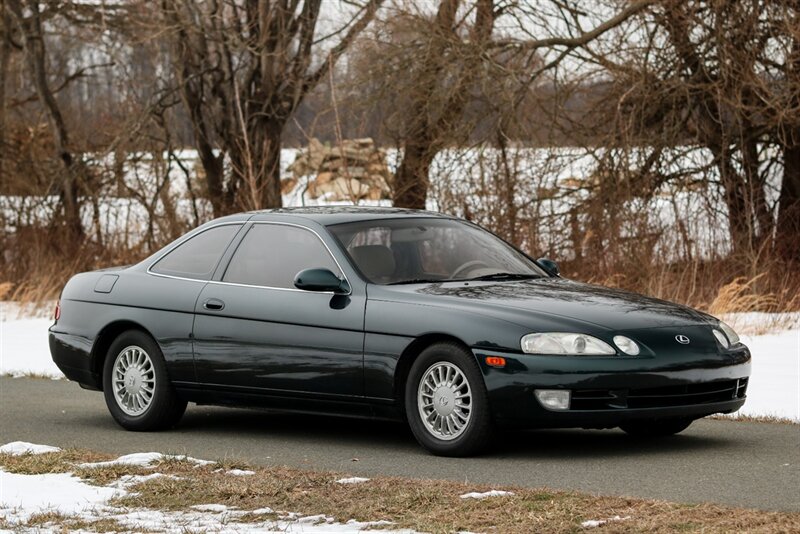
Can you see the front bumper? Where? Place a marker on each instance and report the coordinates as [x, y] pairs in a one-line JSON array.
[[608, 391]]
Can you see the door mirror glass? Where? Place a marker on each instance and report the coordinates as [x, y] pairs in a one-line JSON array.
[[320, 280], [550, 265]]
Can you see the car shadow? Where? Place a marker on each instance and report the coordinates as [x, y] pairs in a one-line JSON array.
[[529, 444], [579, 443]]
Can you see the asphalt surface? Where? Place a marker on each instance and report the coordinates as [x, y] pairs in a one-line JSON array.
[[744, 464]]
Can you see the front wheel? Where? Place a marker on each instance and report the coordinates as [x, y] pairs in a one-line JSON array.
[[137, 390], [446, 401], [656, 428]]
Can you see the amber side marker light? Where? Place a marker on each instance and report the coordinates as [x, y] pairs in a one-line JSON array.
[[495, 361]]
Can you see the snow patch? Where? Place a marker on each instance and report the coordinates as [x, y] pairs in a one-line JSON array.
[[774, 386], [24, 348], [486, 494], [25, 495], [314, 519], [217, 508], [592, 523], [240, 472], [145, 459], [18, 448], [352, 480]]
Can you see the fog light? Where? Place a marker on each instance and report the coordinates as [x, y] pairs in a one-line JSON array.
[[721, 338], [626, 345], [553, 399]]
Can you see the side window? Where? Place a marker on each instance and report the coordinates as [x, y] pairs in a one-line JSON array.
[[271, 255], [197, 257]]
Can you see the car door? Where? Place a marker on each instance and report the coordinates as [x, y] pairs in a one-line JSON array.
[[255, 332], [163, 299]]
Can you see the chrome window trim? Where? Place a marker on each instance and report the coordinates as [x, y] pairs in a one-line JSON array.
[[253, 223]]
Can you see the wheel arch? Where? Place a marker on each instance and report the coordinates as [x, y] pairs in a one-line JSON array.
[[410, 353], [105, 338]]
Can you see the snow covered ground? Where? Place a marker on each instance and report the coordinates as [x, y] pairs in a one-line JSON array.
[[775, 343], [22, 496]]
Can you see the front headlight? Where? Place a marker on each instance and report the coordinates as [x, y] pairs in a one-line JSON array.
[[729, 332], [564, 343]]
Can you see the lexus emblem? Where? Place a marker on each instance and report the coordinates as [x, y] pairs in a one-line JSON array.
[[683, 340]]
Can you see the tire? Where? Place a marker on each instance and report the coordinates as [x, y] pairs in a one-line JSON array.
[[160, 410], [475, 433], [656, 428]]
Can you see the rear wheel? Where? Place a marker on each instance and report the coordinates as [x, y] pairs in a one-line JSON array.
[[446, 401], [655, 428], [137, 390]]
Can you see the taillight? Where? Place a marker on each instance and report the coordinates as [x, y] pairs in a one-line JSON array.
[[57, 314]]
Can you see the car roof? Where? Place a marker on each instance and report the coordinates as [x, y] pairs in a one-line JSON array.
[[328, 215]]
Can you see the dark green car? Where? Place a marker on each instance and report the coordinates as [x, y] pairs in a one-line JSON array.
[[388, 313]]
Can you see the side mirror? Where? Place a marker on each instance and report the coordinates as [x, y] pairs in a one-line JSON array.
[[320, 280], [549, 265]]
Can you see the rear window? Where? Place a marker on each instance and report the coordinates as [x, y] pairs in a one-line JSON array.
[[197, 257]]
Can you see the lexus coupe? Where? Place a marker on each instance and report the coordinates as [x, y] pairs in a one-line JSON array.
[[388, 313]]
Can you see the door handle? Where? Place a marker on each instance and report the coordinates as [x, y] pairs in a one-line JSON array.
[[213, 304]]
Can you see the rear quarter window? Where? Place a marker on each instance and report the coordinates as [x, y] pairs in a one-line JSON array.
[[197, 257]]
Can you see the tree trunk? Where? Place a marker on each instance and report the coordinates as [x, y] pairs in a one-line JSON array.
[[5, 55], [740, 224], [787, 238], [269, 180], [35, 55], [787, 242], [410, 187], [221, 203]]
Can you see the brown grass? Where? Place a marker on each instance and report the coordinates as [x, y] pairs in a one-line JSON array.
[[38, 262], [5, 289], [722, 286], [427, 505], [66, 523], [773, 419], [739, 296]]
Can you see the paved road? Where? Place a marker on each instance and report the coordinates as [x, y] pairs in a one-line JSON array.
[[745, 464]]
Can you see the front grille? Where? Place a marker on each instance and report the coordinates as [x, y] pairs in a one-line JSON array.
[[661, 397]]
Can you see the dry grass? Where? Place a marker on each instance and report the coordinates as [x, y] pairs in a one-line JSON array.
[[38, 262], [754, 419], [428, 506], [65, 523], [739, 296], [5, 289], [718, 287]]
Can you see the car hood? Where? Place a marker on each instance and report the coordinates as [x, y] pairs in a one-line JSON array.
[[552, 299]]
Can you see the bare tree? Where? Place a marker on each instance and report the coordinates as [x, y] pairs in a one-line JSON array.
[[722, 76], [5, 57], [244, 68], [29, 21], [441, 72]]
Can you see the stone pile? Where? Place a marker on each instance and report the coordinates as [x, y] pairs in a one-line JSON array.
[[355, 170]]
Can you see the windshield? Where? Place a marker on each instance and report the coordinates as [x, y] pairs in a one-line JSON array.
[[398, 251]]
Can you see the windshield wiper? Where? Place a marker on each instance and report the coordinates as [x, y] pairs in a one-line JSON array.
[[506, 276], [415, 281]]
